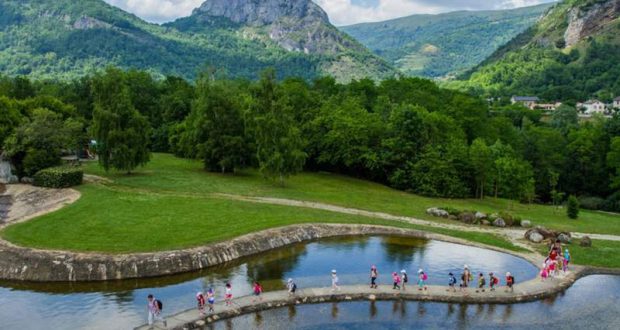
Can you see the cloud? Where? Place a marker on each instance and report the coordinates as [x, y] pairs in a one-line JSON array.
[[341, 12]]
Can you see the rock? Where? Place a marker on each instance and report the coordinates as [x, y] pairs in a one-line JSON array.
[[546, 233], [534, 236], [526, 223], [480, 215], [585, 241], [485, 222], [437, 212], [372, 297], [467, 217], [199, 323], [27, 180], [499, 222], [564, 238]]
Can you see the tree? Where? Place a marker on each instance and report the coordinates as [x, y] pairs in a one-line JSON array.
[[572, 208], [279, 145], [613, 162], [122, 133], [481, 160]]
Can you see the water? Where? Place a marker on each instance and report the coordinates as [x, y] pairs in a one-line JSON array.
[[121, 304], [591, 303]]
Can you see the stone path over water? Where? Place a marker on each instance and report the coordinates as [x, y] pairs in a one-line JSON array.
[[527, 291]]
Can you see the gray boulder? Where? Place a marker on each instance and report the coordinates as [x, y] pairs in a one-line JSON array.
[[534, 236], [564, 238], [437, 212], [467, 217], [499, 222], [526, 223], [585, 241], [480, 216]]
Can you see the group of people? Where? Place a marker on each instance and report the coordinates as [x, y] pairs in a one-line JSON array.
[[399, 281], [555, 261]]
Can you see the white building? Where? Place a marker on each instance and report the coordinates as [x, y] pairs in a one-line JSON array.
[[591, 107]]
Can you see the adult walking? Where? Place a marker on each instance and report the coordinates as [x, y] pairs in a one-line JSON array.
[[373, 276], [335, 280], [154, 308]]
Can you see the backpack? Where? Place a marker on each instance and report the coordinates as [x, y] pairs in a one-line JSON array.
[[512, 278], [405, 278], [452, 280], [160, 306], [294, 288], [424, 277]]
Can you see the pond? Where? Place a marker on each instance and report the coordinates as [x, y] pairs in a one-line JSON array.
[[121, 304], [591, 303]]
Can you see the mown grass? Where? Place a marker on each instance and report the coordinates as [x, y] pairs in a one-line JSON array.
[[170, 174], [107, 220]]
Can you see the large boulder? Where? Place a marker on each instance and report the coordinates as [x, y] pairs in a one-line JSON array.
[[437, 212], [499, 222], [546, 233], [467, 217], [526, 223], [585, 241], [480, 216], [533, 236], [565, 238]]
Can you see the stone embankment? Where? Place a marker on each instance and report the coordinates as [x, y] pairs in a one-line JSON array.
[[527, 291], [25, 264]]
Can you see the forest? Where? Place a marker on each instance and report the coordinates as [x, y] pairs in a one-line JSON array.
[[407, 133]]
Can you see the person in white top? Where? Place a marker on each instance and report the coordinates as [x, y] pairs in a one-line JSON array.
[[154, 309], [335, 281]]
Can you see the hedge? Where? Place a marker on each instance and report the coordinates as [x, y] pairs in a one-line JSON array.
[[58, 177]]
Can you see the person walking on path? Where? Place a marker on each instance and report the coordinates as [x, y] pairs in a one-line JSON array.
[[467, 275], [257, 290], [335, 281], [373, 277], [154, 308], [566, 259], [451, 282], [510, 281], [200, 297], [291, 286], [405, 278], [211, 299], [396, 280], [228, 295], [422, 277], [481, 282], [493, 281]]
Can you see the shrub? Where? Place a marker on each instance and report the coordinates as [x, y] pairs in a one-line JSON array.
[[516, 221], [508, 218], [591, 203], [452, 211], [572, 207], [39, 159], [58, 177]]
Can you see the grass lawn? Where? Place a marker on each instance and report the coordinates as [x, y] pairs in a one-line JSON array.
[[106, 220], [166, 173], [601, 254]]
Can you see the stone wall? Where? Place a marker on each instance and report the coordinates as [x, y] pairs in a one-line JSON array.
[[24, 264]]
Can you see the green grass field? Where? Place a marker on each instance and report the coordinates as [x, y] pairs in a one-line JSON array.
[[600, 254], [172, 203]]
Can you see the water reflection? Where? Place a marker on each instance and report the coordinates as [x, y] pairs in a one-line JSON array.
[[590, 304], [120, 304]]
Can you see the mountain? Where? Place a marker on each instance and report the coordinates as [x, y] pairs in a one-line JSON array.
[[65, 39], [298, 26], [571, 54], [444, 44]]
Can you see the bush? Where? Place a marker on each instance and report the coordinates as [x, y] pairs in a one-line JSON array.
[[591, 203], [572, 207], [452, 211], [58, 177], [508, 218], [39, 159], [516, 221]]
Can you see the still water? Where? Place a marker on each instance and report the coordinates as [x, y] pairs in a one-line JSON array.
[[592, 303], [121, 304]]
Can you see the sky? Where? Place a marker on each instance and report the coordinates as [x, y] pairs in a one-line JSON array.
[[341, 12]]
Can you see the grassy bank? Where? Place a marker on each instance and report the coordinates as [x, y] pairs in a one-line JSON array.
[[600, 254]]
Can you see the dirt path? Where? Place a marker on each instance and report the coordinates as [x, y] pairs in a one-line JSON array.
[[27, 202]]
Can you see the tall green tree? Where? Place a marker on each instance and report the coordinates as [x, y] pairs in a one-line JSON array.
[[613, 162], [481, 161], [279, 145], [122, 133]]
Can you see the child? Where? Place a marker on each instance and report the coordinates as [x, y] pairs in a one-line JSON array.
[[510, 281], [464, 281], [544, 273], [481, 282], [422, 277], [228, 296], [493, 281], [396, 280], [200, 297], [258, 289], [211, 299], [566, 259], [405, 278], [335, 281], [291, 286], [551, 267], [373, 277], [451, 282]]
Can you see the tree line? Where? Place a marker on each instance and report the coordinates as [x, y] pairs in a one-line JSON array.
[[407, 133]]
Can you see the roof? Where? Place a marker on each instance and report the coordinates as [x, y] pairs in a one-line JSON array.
[[525, 98], [592, 101], [617, 99]]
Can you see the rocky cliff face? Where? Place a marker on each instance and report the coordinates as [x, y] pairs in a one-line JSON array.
[[262, 12], [585, 21]]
